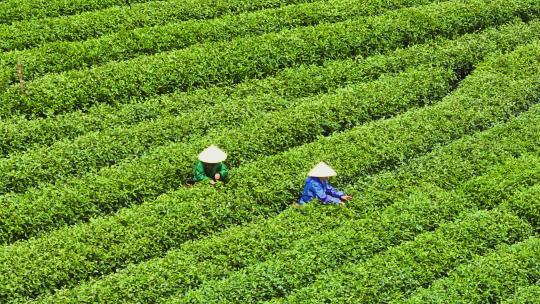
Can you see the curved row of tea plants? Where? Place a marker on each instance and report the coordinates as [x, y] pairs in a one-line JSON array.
[[461, 55], [190, 213], [390, 275], [355, 241], [167, 167], [491, 278], [322, 114], [32, 33], [61, 56], [227, 63], [15, 10]]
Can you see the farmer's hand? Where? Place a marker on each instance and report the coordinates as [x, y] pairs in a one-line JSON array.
[[346, 198], [212, 182], [217, 176]]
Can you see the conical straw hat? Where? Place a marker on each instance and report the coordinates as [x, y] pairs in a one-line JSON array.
[[322, 170], [212, 155]]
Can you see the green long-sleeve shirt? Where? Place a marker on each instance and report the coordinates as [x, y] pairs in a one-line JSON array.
[[201, 174]]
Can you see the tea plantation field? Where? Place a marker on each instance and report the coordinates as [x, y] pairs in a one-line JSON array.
[[429, 110]]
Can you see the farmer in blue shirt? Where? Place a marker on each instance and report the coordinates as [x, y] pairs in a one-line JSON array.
[[317, 187]]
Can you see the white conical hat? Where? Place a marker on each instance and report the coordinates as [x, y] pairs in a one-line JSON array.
[[322, 170], [212, 155]]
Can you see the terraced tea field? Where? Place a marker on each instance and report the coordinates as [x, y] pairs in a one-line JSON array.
[[429, 110]]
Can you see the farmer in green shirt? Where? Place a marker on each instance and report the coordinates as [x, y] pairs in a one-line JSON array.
[[210, 166]]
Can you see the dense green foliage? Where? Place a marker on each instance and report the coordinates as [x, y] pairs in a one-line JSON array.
[[411, 265], [61, 56], [32, 33], [230, 62], [525, 295], [429, 111], [460, 55], [490, 278], [14, 10]]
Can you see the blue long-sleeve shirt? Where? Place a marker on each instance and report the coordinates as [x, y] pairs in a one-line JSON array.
[[323, 191]]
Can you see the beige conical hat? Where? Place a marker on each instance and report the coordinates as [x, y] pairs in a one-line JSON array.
[[322, 170], [212, 155]]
